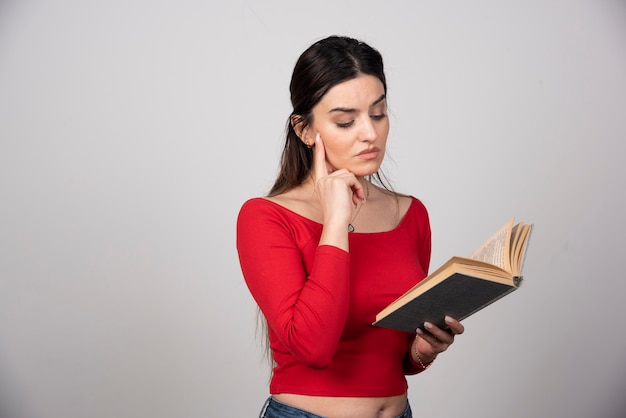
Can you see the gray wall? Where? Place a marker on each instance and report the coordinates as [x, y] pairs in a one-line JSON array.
[[131, 132]]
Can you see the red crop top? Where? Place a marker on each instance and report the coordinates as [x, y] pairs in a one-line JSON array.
[[320, 301]]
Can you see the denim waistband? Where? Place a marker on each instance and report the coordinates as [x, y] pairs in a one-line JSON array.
[[275, 409]]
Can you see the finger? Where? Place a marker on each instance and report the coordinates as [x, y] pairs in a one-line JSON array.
[[443, 336], [358, 194], [436, 345], [455, 326], [319, 158]]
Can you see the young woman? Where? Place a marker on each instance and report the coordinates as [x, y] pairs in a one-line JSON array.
[[327, 249]]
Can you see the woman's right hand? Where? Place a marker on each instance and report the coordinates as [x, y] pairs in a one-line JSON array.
[[339, 192]]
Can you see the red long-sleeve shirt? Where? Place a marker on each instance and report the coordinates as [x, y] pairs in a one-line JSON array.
[[320, 301]]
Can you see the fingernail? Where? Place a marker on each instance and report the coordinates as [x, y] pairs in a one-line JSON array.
[[419, 331], [317, 137], [448, 320], [428, 325]]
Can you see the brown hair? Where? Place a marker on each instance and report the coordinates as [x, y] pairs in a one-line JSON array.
[[323, 65]]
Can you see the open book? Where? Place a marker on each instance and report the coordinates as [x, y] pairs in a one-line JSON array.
[[463, 286]]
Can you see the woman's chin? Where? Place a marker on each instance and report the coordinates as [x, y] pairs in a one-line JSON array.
[[366, 171], [363, 169]]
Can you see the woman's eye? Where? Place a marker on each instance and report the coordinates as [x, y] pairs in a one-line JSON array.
[[378, 117], [346, 124]]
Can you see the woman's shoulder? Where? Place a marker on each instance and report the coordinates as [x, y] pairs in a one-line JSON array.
[[265, 221], [259, 216], [417, 205], [258, 207], [417, 221], [281, 206], [255, 203], [408, 203], [412, 210]]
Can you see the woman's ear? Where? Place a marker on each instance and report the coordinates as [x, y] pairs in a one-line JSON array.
[[301, 128], [297, 123]]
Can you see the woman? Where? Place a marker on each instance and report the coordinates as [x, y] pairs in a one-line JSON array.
[[328, 249]]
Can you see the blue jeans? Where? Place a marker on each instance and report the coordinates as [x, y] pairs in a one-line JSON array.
[[275, 409]]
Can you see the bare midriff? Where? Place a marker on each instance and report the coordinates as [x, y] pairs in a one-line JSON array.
[[347, 407]]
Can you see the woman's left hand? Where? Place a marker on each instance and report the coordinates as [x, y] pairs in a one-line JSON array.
[[436, 340]]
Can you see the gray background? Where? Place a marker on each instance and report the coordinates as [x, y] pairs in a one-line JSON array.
[[132, 131]]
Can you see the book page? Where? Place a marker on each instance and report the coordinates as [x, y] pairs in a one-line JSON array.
[[519, 248], [495, 250]]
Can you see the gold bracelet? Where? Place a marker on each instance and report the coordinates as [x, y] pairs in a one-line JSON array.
[[419, 360]]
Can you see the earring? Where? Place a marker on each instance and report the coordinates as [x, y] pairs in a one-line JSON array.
[[308, 144]]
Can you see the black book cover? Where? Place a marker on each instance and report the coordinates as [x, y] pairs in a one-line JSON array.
[[457, 296]]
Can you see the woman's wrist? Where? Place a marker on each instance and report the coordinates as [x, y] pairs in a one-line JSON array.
[[335, 234], [419, 358]]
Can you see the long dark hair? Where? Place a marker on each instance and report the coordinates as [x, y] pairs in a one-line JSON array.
[[323, 65]]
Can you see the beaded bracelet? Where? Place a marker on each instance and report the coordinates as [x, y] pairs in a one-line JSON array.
[[419, 360]]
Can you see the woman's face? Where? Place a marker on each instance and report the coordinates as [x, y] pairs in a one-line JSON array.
[[352, 121]]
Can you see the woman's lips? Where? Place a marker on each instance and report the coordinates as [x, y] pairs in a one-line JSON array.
[[369, 154]]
